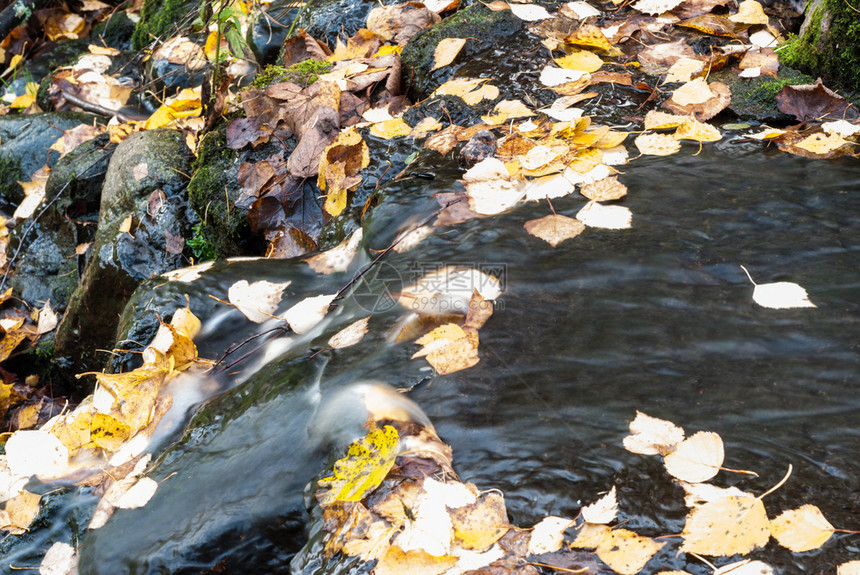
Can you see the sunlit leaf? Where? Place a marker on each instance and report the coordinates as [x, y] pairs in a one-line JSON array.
[[590, 37], [415, 562], [801, 529], [338, 258], [652, 436], [728, 526], [605, 190], [507, 110], [779, 295], [393, 128], [36, 452], [657, 144], [60, 559], [366, 464], [350, 335], [683, 70], [656, 6], [306, 314], [596, 215], [627, 552], [109, 433], [446, 50], [582, 60], [849, 568], [257, 301], [19, 511], [479, 525], [530, 12], [697, 458], [548, 535], [698, 131], [745, 567], [603, 510], [184, 105]]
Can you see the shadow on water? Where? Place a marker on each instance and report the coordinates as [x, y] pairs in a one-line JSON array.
[[658, 318]]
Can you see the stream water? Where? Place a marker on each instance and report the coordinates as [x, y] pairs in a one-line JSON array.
[[658, 318]]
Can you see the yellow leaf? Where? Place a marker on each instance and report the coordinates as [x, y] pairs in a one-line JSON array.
[[554, 228], [20, 512], [413, 562], [22, 101], [125, 226], [449, 332], [627, 552], [446, 50], [694, 130], [480, 524], [683, 70], [340, 164], [581, 60], [821, 143], [386, 50], [134, 393], [749, 12], [366, 464], [603, 510], [731, 525], [605, 190], [108, 433], [697, 458], [591, 37], [507, 110], [73, 429], [657, 144], [393, 128], [801, 529], [693, 92], [590, 536], [548, 535], [183, 105]]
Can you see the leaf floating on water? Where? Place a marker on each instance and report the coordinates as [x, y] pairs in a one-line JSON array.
[[605, 190], [698, 131], [779, 295], [257, 301], [548, 535], [603, 510], [303, 316], [415, 562], [657, 144], [60, 559], [697, 458], [595, 215], [727, 526], [554, 228], [366, 464], [350, 335], [339, 258], [446, 50], [849, 568], [389, 129], [652, 436], [801, 529]]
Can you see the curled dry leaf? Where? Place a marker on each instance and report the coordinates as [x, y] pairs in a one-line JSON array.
[[603, 510], [257, 301], [697, 458], [554, 228], [652, 436], [801, 529]]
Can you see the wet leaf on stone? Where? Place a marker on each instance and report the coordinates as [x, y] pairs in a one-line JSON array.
[[446, 50], [366, 464]]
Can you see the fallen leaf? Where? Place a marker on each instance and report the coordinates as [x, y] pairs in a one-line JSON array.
[[415, 562], [306, 314], [603, 510], [745, 567], [821, 144], [551, 76], [779, 295], [36, 452], [548, 535], [400, 22], [530, 12], [257, 301], [727, 526], [596, 215], [763, 39], [814, 101], [655, 7], [446, 50], [59, 559], [339, 167], [350, 335], [19, 511], [605, 190], [186, 104], [652, 436], [507, 110], [393, 128], [432, 530], [627, 552], [801, 529], [579, 10], [700, 132], [490, 197], [590, 37], [479, 525], [365, 465], [125, 226], [693, 92], [683, 70], [47, 319], [762, 59], [338, 258], [554, 228], [841, 128], [581, 60], [657, 144], [697, 458], [707, 109], [749, 12], [849, 568], [137, 495]]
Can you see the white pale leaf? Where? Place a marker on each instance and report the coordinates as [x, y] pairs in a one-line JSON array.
[[745, 567], [474, 560], [530, 12], [47, 319], [303, 316], [449, 290], [697, 458], [596, 215], [652, 436], [698, 494], [490, 197], [376, 115], [137, 495], [10, 484], [350, 335], [411, 238], [693, 92], [551, 76], [548, 535], [432, 529], [840, 128], [750, 72], [554, 186], [539, 156], [339, 258], [583, 10], [60, 559], [563, 114], [616, 156], [36, 452], [781, 295], [452, 494], [655, 7], [257, 301], [683, 70], [763, 39], [603, 510], [849, 568], [487, 169], [189, 274]]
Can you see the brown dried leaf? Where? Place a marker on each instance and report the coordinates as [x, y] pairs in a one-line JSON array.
[[707, 109], [814, 101], [400, 22]]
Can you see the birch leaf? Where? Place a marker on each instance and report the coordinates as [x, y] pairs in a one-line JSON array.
[[350, 335], [60, 559], [652, 436], [849, 568], [303, 316], [779, 295], [548, 535], [605, 190], [603, 510], [366, 464], [627, 552], [595, 215], [257, 301], [697, 458], [657, 144], [801, 529], [745, 567], [727, 526], [446, 50], [530, 12], [554, 228]]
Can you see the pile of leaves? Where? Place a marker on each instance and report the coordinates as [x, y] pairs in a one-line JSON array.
[[395, 499]]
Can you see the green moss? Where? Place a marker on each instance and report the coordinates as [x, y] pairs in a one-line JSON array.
[[10, 174], [158, 19], [303, 73], [201, 244], [829, 45]]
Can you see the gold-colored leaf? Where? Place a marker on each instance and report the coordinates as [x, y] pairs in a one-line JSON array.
[[366, 464], [627, 552], [507, 110], [108, 433], [581, 60], [605, 190], [801, 529], [446, 50], [415, 562], [657, 144], [480, 524], [727, 526]]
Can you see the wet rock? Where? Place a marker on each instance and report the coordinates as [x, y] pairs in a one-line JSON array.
[[26, 142], [270, 30], [161, 19], [175, 65], [325, 20], [495, 29], [115, 32], [755, 98], [480, 147], [146, 182]]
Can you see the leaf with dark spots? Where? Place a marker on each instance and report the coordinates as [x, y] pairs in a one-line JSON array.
[[266, 214], [294, 242], [244, 131], [814, 101]]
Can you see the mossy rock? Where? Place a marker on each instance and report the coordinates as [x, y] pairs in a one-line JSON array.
[[115, 32], [11, 192], [494, 29], [160, 19], [303, 73], [213, 191], [755, 98], [828, 44]]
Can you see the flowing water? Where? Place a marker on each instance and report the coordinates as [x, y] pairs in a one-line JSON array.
[[658, 318]]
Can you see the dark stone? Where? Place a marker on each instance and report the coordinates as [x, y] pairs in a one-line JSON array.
[[325, 20], [755, 98], [115, 32], [480, 147], [119, 261], [270, 31], [494, 29]]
